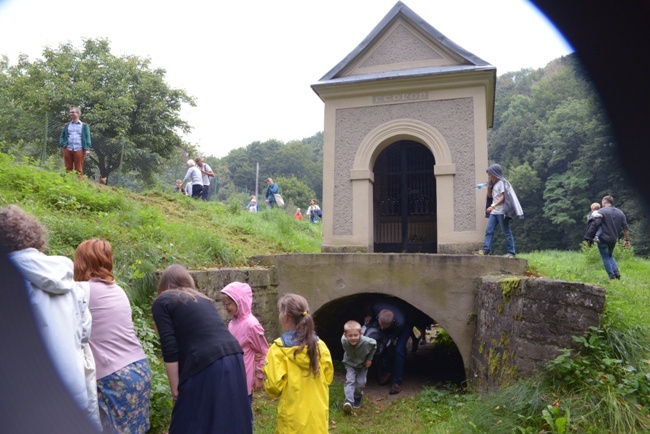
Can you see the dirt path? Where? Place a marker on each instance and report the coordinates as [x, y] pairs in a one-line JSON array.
[[427, 367]]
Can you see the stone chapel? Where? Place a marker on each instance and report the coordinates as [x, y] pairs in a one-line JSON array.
[[405, 142]]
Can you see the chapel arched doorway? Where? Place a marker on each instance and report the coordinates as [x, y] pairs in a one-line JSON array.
[[404, 199]]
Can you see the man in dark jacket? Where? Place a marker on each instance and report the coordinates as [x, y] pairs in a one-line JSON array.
[[612, 223]]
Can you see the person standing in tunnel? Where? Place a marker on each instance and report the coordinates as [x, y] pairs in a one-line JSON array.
[[393, 324]]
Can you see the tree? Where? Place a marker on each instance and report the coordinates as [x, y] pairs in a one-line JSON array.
[[134, 115]]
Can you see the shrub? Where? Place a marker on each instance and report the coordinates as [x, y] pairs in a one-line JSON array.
[[615, 389]]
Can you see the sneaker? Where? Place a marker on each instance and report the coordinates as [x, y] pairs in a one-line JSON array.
[[509, 255], [395, 389], [617, 275], [357, 402], [480, 253], [347, 408]]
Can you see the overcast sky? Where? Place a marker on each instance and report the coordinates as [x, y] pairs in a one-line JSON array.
[[250, 63]]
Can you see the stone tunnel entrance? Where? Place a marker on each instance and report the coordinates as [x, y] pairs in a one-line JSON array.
[[436, 361]]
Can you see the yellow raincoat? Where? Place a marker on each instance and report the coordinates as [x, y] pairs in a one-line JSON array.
[[304, 400]]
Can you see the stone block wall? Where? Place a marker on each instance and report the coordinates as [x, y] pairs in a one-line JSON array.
[[263, 282], [522, 323]]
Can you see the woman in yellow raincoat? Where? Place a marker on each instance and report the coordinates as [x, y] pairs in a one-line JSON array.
[[299, 370]]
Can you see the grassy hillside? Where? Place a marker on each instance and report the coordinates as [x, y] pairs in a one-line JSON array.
[[152, 230], [603, 388]]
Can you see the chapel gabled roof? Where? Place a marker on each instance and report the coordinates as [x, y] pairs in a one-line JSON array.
[[403, 45]]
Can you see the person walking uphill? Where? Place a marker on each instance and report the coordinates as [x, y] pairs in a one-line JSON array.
[[271, 190], [504, 207], [75, 141], [206, 174], [299, 370], [613, 221], [194, 176]]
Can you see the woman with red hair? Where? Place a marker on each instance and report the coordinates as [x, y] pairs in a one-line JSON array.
[[123, 374]]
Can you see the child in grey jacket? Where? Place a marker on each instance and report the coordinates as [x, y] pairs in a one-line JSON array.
[[357, 358]]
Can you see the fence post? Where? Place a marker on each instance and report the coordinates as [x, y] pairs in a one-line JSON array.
[[44, 152]]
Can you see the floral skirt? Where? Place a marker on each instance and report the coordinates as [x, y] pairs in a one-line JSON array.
[[124, 399]]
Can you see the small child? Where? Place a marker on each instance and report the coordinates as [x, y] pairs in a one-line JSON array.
[[299, 370], [252, 205], [359, 351], [178, 188], [298, 215], [237, 299], [594, 220]]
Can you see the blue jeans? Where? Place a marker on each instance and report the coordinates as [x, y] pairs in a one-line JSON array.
[[400, 353], [504, 222], [606, 253]]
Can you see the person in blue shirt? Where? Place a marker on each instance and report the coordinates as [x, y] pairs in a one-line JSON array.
[[271, 190]]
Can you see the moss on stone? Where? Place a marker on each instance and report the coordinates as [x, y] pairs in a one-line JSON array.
[[509, 287]]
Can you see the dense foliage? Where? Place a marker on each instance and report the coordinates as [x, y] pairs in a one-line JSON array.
[[296, 166]]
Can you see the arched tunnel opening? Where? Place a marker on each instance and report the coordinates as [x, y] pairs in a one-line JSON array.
[[437, 361]]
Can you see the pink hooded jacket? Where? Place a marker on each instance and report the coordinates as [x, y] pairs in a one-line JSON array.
[[247, 330]]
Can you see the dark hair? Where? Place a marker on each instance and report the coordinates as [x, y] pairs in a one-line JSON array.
[[93, 259], [176, 277], [20, 231], [608, 199], [294, 308]]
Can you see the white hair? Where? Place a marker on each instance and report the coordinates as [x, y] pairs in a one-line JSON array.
[[191, 163]]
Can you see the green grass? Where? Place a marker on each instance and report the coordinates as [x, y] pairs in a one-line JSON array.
[[605, 388]]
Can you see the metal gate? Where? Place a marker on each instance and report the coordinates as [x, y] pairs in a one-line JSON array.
[[404, 199]]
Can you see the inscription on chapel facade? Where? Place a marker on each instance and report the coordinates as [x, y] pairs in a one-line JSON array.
[[400, 97]]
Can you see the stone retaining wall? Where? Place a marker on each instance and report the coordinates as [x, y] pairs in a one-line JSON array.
[[522, 323]]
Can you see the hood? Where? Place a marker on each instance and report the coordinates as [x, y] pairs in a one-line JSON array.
[[288, 345], [242, 294], [53, 274], [496, 171]]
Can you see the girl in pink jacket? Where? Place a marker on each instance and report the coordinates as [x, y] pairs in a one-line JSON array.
[[237, 299]]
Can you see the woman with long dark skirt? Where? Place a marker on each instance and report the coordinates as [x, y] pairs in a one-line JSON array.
[[203, 360]]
